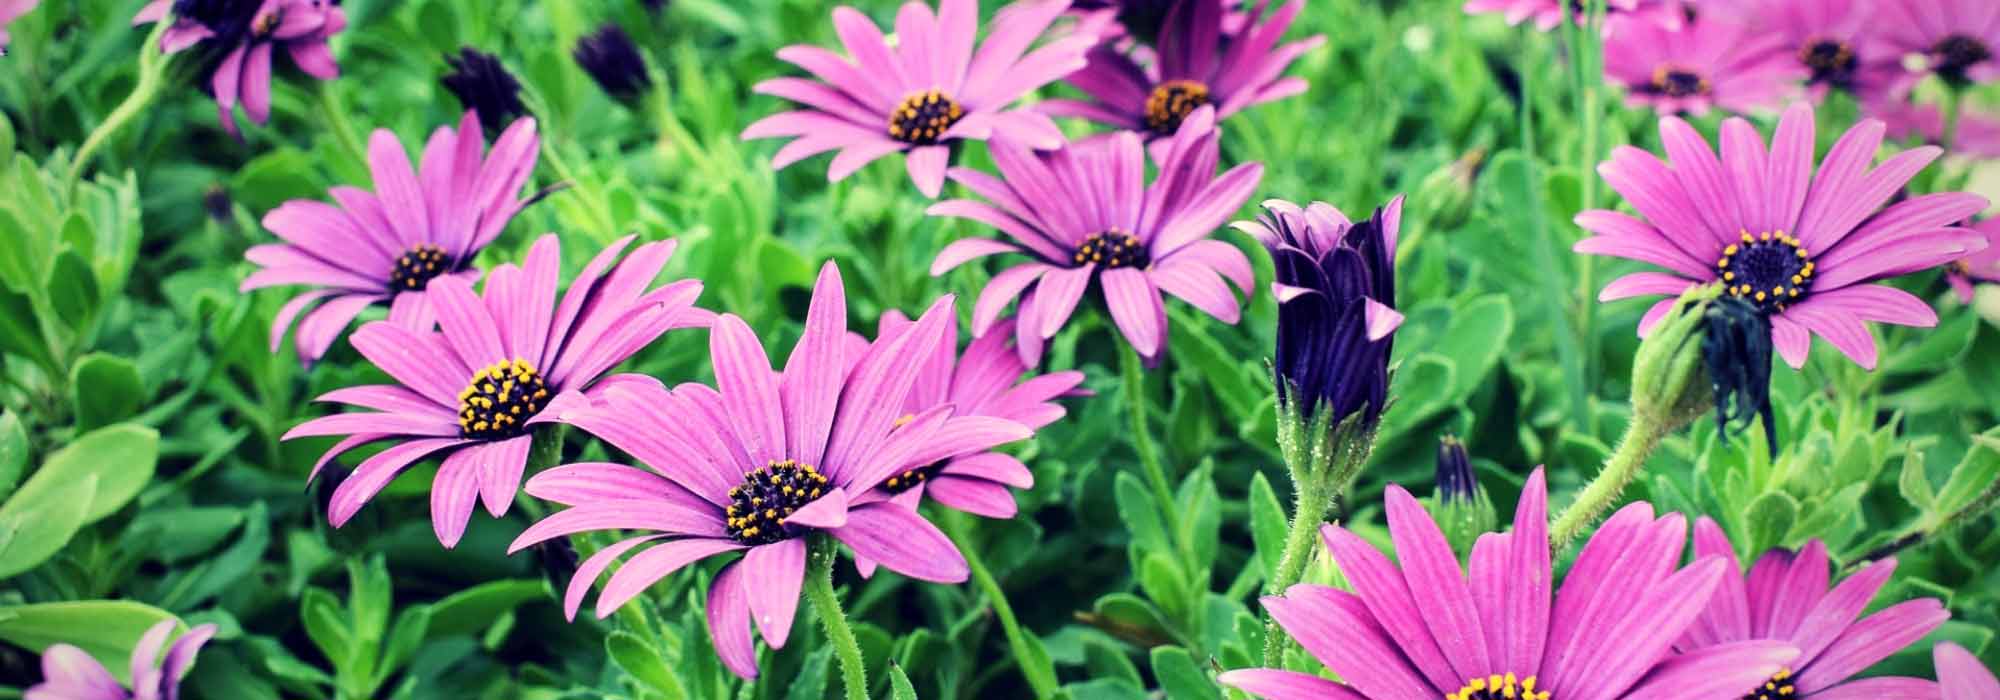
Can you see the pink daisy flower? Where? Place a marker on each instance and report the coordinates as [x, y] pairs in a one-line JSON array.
[[1829, 40], [1084, 214], [1549, 14], [1194, 62], [1706, 64], [1420, 627], [1803, 247], [925, 93], [1978, 267], [1978, 133], [70, 673], [244, 33], [388, 247], [1785, 598], [11, 10], [504, 362], [1961, 676], [759, 463], [1957, 40]]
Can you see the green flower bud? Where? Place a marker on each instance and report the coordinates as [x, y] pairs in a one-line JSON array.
[[1670, 380]]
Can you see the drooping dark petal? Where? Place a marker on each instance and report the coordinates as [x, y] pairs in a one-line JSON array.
[[611, 59], [1736, 346], [484, 85]]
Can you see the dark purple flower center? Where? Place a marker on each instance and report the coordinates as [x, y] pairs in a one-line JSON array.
[[1771, 270], [1781, 687], [1112, 249], [498, 402], [1957, 53], [757, 509], [1499, 687], [923, 117], [1171, 103], [910, 478], [416, 268], [1678, 81], [1832, 61]]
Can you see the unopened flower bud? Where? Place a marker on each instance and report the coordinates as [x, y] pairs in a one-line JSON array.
[[1462, 509], [1670, 382], [611, 59]]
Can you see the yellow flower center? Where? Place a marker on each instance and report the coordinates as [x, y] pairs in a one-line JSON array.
[[757, 509], [1499, 687], [923, 117], [500, 400], [1770, 269], [1171, 102], [1781, 685]]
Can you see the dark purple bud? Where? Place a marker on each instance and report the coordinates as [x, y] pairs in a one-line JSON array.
[[611, 59], [482, 84]]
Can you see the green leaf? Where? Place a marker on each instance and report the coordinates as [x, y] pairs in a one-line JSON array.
[[13, 452], [326, 624], [1267, 524], [1141, 514], [640, 660], [73, 291], [34, 529], [404, 640], [1180, 677], [105, 629], [810, 683], [20, 332], [105, 389], [1973, 474], [1769, 518], [899, 684], [1914, 484], [473, 609], [121, 457], [1481, 328]]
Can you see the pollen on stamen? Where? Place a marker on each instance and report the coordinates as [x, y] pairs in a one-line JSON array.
[[1499, 687], [923, 117], [500, 399], [758, 508]]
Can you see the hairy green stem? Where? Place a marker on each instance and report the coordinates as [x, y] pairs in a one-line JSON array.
[[335, 113], [594, 206], [152, 71], [819, 591], [1307, 513], [1041, 677], [1142, 439], [1642, 436]]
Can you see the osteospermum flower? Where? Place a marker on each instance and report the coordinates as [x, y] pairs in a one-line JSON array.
[[11, 10], [1956, 40], [70, 673], [1829, 40], [1804, 247], [1084, 214], [503, 362], [923, 94], [1785, 598], [1961, 676], [1979, 267], [1706, 64], [758, 464], [1194, 64], [986, 381], [244, 33], [1548, 14], [1336, 290], [613, 61], [388, 246], [1419, 627], [1977, 133], [483, 85]]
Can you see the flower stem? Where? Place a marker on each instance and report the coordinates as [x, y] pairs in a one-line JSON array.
[[152, 70], [1642, 435], [343, 128], [819, 591], [1040, 674], [1142, 438], [1307, 513], [1953, 99]]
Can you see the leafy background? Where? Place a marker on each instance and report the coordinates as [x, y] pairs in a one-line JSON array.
[[142, 474]]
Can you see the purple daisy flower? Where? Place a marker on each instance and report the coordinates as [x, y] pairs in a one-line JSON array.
[[925, 93], [245, 33], [759, 463], [1979, 267], [1802, 247], [1785, 598], [1961, 676], [986, 381], [70, 673], [1084, 213], [1336, 290], [369, 249], [1548, 14], [502, 363], [1192, 64], [1977, 134], [1706, 64], [1829, 40], [1958, 40], [1418, 627], [11, 10]]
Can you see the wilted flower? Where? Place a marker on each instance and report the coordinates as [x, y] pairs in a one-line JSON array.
[[11, 10], [759, 463], [923, 94], [389, 246], [1707, 63], [1785, 598], [1336, 290], [243, 34], [1956, 40], [611, 59], [1962, 676], [1982, 266], [1420, 627], [504, 362], [1194, 63], [70, 673], [1134, 240], [1803, 247], [1736, 352], [1139, 19], [484, 86]]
